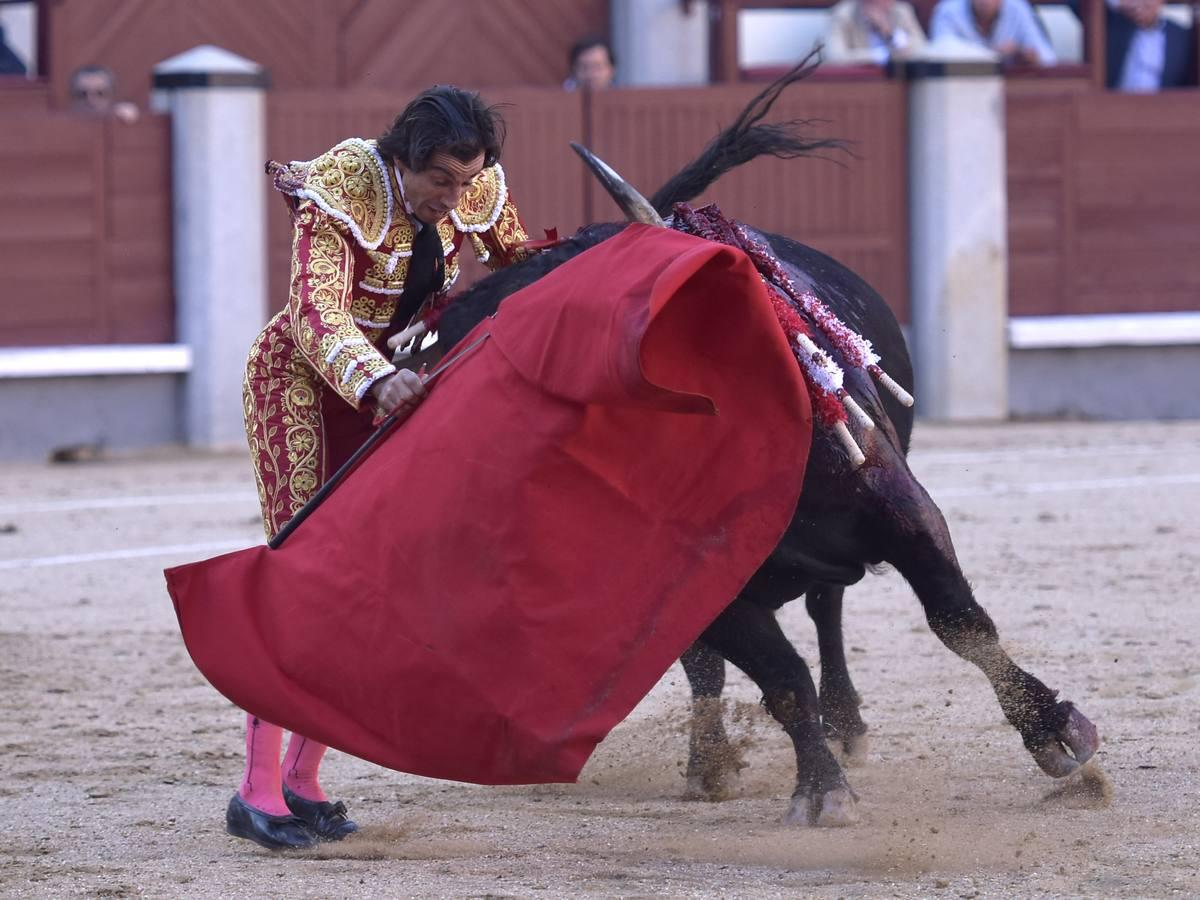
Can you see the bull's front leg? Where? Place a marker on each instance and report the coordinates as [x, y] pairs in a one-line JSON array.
[[1058, 735], [839, 699], [749, 637]]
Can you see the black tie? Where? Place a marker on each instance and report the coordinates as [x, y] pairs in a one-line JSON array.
[[426, 273]]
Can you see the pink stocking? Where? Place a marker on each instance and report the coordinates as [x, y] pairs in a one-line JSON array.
[[260, 784], [300, 768]]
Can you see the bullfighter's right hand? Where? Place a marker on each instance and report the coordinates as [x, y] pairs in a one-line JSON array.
[[403, 389]]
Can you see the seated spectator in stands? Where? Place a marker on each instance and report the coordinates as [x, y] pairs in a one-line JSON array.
[[93, 92], [872, 31], [1009, 27], [592, 65], [10, 63], [1145, 51]]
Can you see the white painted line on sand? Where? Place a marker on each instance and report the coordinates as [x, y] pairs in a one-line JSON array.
[[992, 490], [44, 506], [1028, 454], [230, 494], [38, 562], [1052, 487]]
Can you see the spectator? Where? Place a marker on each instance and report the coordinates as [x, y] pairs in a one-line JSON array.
[[1009, 27], [10, 63], [93, 92], [592, 65], [872, 31], [1145, 51]]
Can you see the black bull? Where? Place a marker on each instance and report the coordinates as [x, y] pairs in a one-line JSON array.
[[846, 521]]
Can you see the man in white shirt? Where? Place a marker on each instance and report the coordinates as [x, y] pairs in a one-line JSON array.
[[1009, 27]]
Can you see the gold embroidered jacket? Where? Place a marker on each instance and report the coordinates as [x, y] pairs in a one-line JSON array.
[[351, 247]]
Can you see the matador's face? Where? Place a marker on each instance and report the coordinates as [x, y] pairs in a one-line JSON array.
[[436, 189]]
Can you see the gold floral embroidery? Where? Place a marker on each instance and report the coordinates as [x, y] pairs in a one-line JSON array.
[[372, 311], [283, 426], [349, 183], [481, 204], [325, 331], [510, 234]]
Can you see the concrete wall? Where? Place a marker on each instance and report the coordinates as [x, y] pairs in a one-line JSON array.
[[109, 412], [123, 412], [115, 397], [1144, 366], [1114, 383]]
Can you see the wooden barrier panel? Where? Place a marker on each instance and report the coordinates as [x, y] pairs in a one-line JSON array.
[[853, 208], [22, 95], [1137, 202], [1104, 214], [138, 250], [1040, 217], [325, 44], [86, 248]]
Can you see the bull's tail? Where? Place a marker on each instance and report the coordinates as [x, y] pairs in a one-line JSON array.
[[745, 140]]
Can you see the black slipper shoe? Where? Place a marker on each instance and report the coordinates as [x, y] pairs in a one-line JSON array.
[[273, 832], [328, 820]]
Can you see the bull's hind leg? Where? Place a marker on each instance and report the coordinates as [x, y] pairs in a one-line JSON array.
[[839, 699], [749, 637], [912, 528], [713, 762]]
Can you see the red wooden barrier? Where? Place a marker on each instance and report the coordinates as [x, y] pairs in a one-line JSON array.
[[1103, 216], [853, 208], [85, 241]]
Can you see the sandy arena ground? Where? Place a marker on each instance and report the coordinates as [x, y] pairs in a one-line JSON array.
[[1082, 540]]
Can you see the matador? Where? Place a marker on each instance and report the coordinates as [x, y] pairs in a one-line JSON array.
[[366, 214]]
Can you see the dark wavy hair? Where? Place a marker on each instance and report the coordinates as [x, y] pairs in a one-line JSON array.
[[444, 119]]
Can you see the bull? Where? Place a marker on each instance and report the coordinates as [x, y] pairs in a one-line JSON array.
[[848, 520]]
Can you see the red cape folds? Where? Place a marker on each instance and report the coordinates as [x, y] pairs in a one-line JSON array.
[[508, 573]]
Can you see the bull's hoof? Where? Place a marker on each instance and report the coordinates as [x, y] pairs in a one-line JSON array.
[[712, 788], [1074, 743], [855, 749], [833, 809]]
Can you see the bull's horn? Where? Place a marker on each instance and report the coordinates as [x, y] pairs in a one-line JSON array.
[[636, 207]]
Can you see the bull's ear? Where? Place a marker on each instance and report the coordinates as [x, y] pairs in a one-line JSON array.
[[636, 207]]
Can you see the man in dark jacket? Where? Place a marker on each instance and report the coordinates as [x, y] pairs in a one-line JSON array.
[[1145, 50], [10, 63]]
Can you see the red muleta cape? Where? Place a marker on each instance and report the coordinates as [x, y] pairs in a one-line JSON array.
[[508, 573]]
